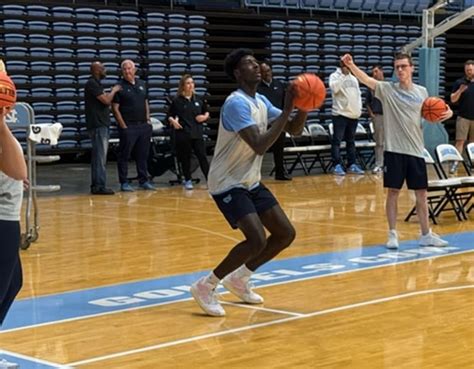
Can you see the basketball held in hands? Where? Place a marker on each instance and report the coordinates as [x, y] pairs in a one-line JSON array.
[[310, 92], [433, 108]]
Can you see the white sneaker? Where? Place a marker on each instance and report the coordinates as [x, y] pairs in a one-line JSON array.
[[377, 170], [392, 242], [242, 288], [8, 365], [432, 239], [206, 296]]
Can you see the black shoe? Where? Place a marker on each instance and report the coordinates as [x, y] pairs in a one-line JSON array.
[[102, 191], [283, 177]]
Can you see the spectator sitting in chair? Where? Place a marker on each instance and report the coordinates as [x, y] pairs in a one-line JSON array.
[[186, 116]]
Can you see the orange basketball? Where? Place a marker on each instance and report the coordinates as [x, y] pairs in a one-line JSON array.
[[433, 108], [7, 91], [310, 91]]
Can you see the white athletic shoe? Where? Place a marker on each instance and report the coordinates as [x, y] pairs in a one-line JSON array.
[[206, 296], [432, 239], [392, 242], [8, 365], [242, 288]]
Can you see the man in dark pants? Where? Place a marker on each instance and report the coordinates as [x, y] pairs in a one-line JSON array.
[[274, 90], [97, 108], [131, 110]]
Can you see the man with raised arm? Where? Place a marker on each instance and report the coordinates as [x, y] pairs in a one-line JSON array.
[[403, 138]]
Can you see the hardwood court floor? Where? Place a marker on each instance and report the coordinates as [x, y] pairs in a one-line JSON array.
[[417, 314]]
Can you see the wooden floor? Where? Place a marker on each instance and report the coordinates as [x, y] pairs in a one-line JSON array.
[[417, 314]]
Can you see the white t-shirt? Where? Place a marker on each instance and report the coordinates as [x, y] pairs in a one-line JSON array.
[[235, 163]]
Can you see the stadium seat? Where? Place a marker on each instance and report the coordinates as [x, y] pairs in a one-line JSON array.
[[37, 11], [62, 27], [130, 16], [41, 66], [86, 13], [13, 10], [62, 12], [107, 15], [15, 38], [36, 38]]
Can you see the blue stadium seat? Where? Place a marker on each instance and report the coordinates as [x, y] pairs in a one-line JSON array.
[[107, 15], [40, 52], [309, 46], [355, 4], [155, 30], [312, 36], [85, 27], [177, 18], [35, 38], [43, 107], [66, 92], [38, 92], [108, 41], [16, 65], [20, 79], [383, 5], [37, 11], [340, 4], [105, 28], [177, 43], [129, 30], [37, 25], [64, 79], [130, 54], [86, 13], [311, 4], [16, 51], [41, 66], [396, 6], [158, 92], [156, 67], [130, 16], [177, 31], [197, 68], [295, 24], [157, 55], [14, 38], [86, 53], [197, 32], [109, 53], [156, 80], [177, 67], [62, 27], [155, 17], [130, 41], [13, 10], [44, 118], [254, 2], [41, 79], [422, 4], [197, 55], [13, 24], [62, 12], [369, 5], [64, 66], [311, 25]]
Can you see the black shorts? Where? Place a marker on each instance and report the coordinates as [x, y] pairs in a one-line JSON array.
[[238, 202], [401, 167]]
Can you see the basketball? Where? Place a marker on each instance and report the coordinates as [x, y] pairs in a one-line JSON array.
[[433, 108], [7, 91], [310, 91]]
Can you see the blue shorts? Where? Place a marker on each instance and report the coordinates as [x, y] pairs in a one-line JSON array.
[[401, 167], [238, 202]]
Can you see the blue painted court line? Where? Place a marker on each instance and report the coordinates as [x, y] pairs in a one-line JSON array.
[[104, 300]]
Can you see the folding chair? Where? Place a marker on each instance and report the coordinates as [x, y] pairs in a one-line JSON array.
[[446, 154], [441, 193]]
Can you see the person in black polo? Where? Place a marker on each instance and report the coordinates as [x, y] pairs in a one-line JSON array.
[[97, 108], [186, 115], [463, 96], [274, 90], [132, 113]]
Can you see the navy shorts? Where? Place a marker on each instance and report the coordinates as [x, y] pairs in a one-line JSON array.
[[401, 167], [238, 202]]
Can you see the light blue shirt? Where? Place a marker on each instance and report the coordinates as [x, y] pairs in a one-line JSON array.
[[236, 113]]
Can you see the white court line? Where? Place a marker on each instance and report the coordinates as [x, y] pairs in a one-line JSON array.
[[267, 324], [255, 307], [224, 292], [35, 360]]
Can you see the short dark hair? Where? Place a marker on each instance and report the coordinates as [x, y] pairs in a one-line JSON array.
[[469, 62], [399, 56], [232, 60], [378, 66]]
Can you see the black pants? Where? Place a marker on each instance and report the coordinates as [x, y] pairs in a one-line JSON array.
[[277, 149], [11, 278], [134, 140], [185, 146]]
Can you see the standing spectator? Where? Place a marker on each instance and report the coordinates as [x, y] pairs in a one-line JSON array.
[[403, 156], [186, 115], [97, 107], [463, 95], [274, 91], [131, 110], [374, 108], [12, 173], [234, 183], [346, 109]]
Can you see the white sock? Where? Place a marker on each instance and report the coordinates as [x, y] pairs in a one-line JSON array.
[[243, 271], [212, 279]]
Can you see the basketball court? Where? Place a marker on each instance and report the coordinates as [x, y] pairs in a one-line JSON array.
[[107, 284]]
